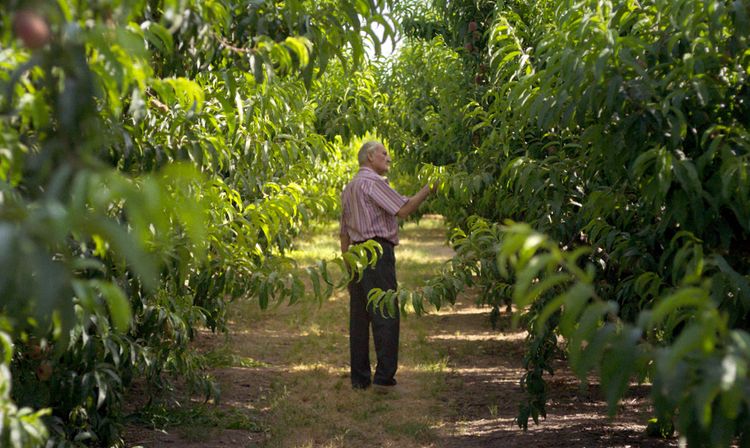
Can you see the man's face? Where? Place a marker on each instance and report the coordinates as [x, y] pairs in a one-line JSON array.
[[380, 160]]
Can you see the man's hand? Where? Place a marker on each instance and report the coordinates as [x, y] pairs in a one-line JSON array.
[[414, 202], [345, 241]]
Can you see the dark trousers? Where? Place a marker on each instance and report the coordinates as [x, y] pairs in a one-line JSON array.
[[385, 328]]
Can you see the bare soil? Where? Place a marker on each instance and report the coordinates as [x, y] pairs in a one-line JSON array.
[[485, 395], [458, 386]]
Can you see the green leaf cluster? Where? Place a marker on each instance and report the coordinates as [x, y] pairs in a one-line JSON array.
[[156, 161], [617, 131]]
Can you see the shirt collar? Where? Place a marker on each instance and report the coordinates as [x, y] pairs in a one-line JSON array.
[[369, 172]]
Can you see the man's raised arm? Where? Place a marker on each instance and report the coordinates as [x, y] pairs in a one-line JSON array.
[[414, 202]]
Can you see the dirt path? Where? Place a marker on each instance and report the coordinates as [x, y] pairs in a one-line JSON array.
[[284, 379]]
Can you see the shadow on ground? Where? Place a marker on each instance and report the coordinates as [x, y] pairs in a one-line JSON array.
[[459, 387], [284, 380]]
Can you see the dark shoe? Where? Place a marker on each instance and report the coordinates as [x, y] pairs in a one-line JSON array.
[[388, 383], [360, 386]]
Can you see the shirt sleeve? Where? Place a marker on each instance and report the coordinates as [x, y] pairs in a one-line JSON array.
[[386, 197], [342, 226], [342, 223]]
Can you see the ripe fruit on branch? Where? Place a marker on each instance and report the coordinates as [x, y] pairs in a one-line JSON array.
[[31, 28], [44, 371], [473, 26], [469, 47]]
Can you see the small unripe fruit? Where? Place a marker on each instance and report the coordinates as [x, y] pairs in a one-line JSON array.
[[31, 28], [473, 26], [44, 371], [476, 35]]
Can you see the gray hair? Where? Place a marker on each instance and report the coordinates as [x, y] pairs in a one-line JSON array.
[[367, 149]]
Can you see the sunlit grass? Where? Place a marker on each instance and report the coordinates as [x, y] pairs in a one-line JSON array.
[[224, 356], [419, 431], [198, 420], [316, 405], [439, 366], [321, 243], [421, 253], [295, 359], [304, 349]]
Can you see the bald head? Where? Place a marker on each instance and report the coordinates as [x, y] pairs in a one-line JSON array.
[[367, 149], [373, 155]]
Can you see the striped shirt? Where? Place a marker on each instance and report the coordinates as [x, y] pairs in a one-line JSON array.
[[369, 206]]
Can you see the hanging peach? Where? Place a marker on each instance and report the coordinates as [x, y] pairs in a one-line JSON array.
[[44, 371], [31, 28]]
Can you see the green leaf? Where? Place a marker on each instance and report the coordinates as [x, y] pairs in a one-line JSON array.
[[118, 304], [315, 277], [158, 36], [686, 298], [574, 301], [6, 344], [300, 46], [126, 245], [618, 366], [188, 93]]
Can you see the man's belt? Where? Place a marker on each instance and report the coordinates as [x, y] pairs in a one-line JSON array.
[[381, 240]]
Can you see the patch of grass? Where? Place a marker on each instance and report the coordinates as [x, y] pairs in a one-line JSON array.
[[438, 366], [311, 403], [421, 350], [197, 420], [224, 357], [419, 431], [493, 410], [321, 243], [434, 376], [371, 409]]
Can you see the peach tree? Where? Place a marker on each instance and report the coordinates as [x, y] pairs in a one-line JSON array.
[[616, 132], [156, 160]]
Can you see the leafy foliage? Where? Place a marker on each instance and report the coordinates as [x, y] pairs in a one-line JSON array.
[[617, 131], [157, 159]]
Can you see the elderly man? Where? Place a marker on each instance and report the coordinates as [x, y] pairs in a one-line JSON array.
[[370, 211]]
